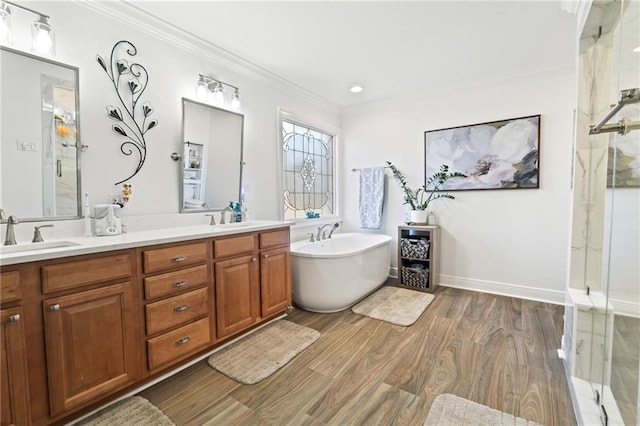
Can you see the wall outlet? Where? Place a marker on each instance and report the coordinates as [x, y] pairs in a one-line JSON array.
[[26, 146]]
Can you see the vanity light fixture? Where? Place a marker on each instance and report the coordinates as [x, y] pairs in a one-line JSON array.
[[42, 34], [213, 91]]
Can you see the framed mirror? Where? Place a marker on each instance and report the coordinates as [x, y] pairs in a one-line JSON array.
[[211, 165], [40, 134]]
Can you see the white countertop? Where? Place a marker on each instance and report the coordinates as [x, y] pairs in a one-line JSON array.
[[87, 245]]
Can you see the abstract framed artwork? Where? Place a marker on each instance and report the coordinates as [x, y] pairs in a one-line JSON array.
[[495, 155]]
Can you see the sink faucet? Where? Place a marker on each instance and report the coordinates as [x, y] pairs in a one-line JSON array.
[[322, 235], [226, 209], [10, 237], [37, 236]]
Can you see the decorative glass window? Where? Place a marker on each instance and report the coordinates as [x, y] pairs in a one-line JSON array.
[[307, 165]]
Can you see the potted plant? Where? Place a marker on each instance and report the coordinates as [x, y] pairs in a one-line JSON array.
[[419, 199]]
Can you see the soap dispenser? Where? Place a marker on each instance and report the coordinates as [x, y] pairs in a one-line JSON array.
[[237, 213]]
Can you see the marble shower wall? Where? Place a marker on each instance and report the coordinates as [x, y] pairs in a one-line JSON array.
[[590, 158]]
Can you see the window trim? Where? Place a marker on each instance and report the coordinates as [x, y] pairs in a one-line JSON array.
[[319, 126]]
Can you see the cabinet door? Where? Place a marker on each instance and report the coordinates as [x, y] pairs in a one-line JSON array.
[[91, 345], [237, 295], [275, 281], [13, 369]]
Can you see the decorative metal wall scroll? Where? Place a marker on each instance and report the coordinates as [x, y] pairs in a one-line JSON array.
[[130, 81]]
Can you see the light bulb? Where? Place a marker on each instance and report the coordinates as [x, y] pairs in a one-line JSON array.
[[235, 101], [42, 37], [5, 24], [218, 95], [201, 89]]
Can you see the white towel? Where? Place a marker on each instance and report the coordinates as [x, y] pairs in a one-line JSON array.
[[371, 197]]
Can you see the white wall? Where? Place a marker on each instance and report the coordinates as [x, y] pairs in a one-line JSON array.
[[503, 241], [81, 34]]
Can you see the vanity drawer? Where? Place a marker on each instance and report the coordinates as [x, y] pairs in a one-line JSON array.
[[178, 343], [275, 238], [175, 282], [176, 310], [10, 286], [68, 275], [164, 258], [234, 246]]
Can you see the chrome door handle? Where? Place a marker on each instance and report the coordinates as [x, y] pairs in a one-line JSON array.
[[14, 318], [179, 259], [181, 308], [180, 284], [54, 308]]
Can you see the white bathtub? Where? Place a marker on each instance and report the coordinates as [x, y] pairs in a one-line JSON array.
[[332, 275]]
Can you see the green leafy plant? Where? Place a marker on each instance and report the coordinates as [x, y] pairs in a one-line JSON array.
[[419, 199]]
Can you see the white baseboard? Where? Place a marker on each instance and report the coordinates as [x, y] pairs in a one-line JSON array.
[[504, 289], [626, 308], [493, 287]]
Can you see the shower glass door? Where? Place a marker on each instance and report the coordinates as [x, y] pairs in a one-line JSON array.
[[621, 248]]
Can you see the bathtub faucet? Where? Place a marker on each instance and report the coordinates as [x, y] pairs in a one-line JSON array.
[[323, 235]]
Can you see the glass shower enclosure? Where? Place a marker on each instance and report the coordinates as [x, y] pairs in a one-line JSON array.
[[602, 316]]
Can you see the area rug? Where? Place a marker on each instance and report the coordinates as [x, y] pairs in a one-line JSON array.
[[396, 305], [448, 409], [262, 353], [132, 411]]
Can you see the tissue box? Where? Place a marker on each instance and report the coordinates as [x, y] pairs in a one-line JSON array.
[[106, 219]]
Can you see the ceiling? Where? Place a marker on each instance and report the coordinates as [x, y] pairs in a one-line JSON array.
[[393, 49]]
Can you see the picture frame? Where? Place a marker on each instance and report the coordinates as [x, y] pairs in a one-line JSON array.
[[502, 154]]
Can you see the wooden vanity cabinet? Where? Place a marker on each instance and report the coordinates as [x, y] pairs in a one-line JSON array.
[[178, 302], [275, 275], [237, 283], [14, 390], [103, 324], [90, 334]]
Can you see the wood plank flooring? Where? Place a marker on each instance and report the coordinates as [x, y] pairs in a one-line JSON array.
[[494, 350]]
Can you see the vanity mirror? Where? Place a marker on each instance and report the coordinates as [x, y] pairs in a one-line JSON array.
[[40, 136], [211, 165]]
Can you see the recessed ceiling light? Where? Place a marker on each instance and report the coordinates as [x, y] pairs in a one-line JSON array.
[[637, 49], [356, 89]]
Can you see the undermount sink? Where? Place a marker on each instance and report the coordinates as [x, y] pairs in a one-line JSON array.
[[20, 248]]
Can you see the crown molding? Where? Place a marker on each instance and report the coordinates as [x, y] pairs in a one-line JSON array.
[[137, 18], [497, 80]]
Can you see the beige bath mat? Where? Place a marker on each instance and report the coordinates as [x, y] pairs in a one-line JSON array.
[[260, 354], [448, 409], [132, 411], [396, 305]]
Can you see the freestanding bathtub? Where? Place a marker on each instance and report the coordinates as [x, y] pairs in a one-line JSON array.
[[332, 275]]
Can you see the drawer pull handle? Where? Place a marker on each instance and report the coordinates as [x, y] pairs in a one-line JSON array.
[[183, 340], [54, 308], [179, 259], [14, 318], [181, 308], [180, 284]]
